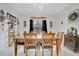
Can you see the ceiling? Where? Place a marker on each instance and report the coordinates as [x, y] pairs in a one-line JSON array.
[[39, 8]]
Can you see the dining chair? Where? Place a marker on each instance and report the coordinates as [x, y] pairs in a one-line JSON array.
[[30, 42], [17, 42], [59, 39], [47, 41]]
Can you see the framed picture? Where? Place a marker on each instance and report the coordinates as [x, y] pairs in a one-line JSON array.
[[51, 24], [24, 23], [11, 17], [2, 15]]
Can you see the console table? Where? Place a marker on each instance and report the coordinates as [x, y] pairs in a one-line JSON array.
[[71, 42]]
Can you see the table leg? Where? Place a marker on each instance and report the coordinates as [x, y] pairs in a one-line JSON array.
[[51, 51], [57, 47], [64, 40], [35, 52], [15, 49]]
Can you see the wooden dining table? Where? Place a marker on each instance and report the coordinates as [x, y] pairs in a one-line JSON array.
[[19, 41]]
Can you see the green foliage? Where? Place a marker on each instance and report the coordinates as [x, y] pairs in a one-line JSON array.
[[73, 16], [72, 28]]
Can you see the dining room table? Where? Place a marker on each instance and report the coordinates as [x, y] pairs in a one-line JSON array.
[[19, 41]]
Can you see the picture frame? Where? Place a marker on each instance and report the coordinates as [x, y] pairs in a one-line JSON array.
[[51, 24], [2, 15], [25, 23]]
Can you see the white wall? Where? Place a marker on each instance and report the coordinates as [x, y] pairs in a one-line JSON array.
[[27, 18], [4, 33], [63, 16]]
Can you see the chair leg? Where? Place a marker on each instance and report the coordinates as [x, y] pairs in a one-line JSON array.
[[15, 49], [57, 49], [35, 52], [26, 51], [64, 41], [51, 51], [26, 54]]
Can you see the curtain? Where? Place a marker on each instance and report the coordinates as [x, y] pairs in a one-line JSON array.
[[31, 26], [44, 26]]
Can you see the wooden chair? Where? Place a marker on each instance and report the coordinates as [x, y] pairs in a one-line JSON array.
[[60, 37], [47, 41], [30, 42], [17, 42], [59, 41]]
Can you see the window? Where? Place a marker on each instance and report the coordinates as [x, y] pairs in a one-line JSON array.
[[37, 26]]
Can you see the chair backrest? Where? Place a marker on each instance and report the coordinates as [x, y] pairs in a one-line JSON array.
[[14, 34], [47, 38], [60, 36], [30, 38], [17, 37]]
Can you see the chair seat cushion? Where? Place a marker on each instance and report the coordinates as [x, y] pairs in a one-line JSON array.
[[20, 43], [47, 46], [31, 47]]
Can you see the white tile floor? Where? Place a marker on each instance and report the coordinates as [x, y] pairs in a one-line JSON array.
[[64, 52]]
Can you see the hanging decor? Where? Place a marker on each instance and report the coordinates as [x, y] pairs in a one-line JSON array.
[[24, 23], [61, 22], [51, 24], [12, 20], [2, 15], [73, 15]]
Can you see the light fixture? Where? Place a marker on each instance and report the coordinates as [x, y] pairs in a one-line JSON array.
[[61, 22], [39, 6]]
